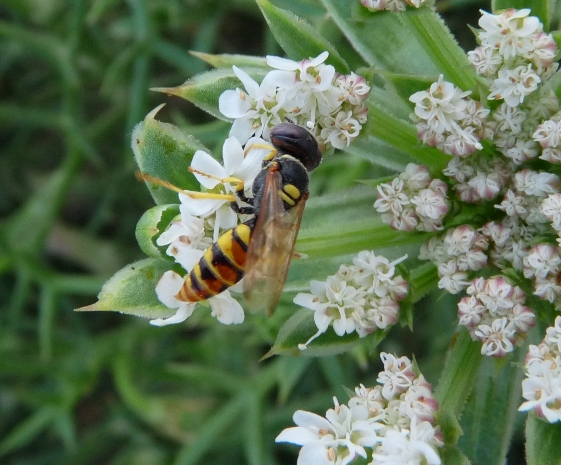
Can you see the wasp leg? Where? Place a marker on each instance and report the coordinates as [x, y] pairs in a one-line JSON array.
[[192, 194]]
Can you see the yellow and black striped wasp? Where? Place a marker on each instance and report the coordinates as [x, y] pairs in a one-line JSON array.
[[261, 248]]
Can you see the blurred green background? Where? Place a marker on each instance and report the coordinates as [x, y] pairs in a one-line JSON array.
[[103, 388]]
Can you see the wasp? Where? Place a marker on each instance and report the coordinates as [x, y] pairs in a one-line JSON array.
[[261, 248]]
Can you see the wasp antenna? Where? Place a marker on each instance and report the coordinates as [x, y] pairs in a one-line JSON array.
[[160, 182]]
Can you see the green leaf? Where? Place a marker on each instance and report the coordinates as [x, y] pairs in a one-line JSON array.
[[298, 38], [382, 39], [165, 152], [27, 430], [488, 419], [151, 224], [132, 291], [299, 328], [414, 42], [380, 153], [542, 441], [456, 382], [422, 280], [440, 45], [227, 60], [452, 455], [204, 89], [543, 9]]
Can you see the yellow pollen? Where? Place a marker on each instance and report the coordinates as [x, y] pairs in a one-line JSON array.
[[331, 454], [318, 79]]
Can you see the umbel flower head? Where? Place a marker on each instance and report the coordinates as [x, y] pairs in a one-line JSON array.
[[361, 297], [309, 93], [393, 422], [493, 150]]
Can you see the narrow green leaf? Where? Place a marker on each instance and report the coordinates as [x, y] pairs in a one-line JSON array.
[[422, 280], [132, 291], [204, 89], [382, 39], [27, 430], [456, 382], [542, 442], [165, 152], [297, 37], [378, 152], [488, 420], [439, 44], [151, 225], [452, 455], [352, 236], [543, 9]]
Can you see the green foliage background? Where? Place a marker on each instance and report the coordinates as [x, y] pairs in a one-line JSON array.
[[103, 388]]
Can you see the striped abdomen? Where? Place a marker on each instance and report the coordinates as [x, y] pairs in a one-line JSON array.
[[221, 266]]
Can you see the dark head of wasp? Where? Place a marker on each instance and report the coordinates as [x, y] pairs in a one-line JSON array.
[[298, 142], [297, 153], [261, 248]]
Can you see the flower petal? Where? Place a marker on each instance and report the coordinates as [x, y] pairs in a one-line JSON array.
[[167, 287], [205, 163], [226, 309]]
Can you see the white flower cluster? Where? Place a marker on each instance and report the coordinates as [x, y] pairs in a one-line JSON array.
[[202, 220], [361, 297], [413, 200], [516, 58], [542, 386], [447, 119], [459, 252], [514, 54], [309, 93], [391, 5], [391, 423], [494, 313]]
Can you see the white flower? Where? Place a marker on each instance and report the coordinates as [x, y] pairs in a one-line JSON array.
[[376, 273], [441, 105], [539, 184], [408, 447], [509, 32], [391, 197], [551, 208], [548, 134], [430, 204], [485, 60], [254, 109], [340, 130], [542, 261], [238, 163], [397, 376], [513, 85], [336, 439], [497, 339]]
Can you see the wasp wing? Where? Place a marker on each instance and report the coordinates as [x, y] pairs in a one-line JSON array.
[[271, 247]]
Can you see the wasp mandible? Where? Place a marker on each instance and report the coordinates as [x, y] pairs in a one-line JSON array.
[[261, 248]]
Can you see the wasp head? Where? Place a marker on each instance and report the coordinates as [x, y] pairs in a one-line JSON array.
[[297, 142]]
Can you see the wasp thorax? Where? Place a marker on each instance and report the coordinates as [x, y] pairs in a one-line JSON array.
[[297, 142]]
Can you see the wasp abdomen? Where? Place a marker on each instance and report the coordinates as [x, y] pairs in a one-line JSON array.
[[221, 266]]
